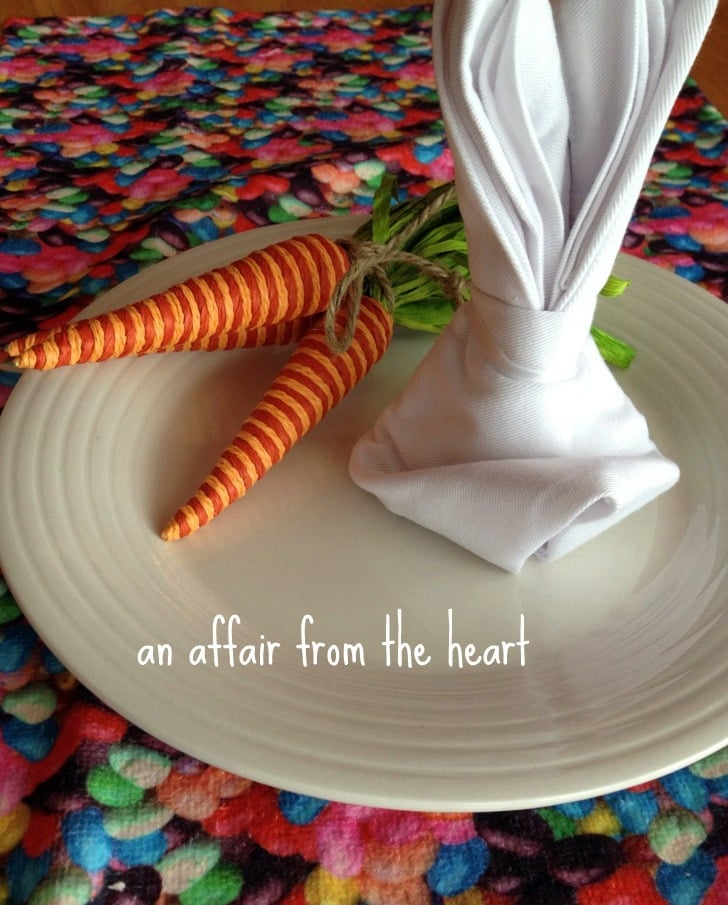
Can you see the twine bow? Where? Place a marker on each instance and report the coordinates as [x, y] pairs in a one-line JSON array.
[[369, 263]]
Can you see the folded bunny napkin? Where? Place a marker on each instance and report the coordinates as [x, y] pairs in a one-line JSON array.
[[512, 438]]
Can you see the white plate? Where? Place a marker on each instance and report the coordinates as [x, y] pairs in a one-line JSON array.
[[626, 669]]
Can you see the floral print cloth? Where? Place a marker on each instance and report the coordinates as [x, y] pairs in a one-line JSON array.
[[126, 140]]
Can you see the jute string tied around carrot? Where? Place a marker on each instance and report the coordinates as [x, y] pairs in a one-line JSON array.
[[369, 262]]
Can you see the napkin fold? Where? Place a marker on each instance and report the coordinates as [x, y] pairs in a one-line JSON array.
[[512, 438]]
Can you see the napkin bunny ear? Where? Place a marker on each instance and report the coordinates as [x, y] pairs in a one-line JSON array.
[[512, 438]]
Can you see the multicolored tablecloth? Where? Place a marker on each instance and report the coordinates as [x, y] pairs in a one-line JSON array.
[[124, 141]]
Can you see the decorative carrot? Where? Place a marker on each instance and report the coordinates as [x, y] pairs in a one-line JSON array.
[[285, 281], [311, 383], [280, 334]]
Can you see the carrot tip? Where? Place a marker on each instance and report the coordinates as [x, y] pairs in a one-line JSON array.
[[180, 525], [171, 532]]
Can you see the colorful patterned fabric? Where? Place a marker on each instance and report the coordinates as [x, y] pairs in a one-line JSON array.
[[127, 140], [681, 220], [124, 141]]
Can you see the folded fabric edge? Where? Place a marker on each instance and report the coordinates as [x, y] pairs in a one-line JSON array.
[[512, 509]]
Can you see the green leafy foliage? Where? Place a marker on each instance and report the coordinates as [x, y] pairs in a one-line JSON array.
[[421, 302]]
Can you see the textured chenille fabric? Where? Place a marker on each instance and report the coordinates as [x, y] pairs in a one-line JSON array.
[[513, 438]]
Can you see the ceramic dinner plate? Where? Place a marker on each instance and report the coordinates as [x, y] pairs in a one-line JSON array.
[[313, 641]]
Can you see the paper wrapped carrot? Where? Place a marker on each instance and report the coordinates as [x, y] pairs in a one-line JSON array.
[[46, 355], [281, 334], [284, 282], [331, 358], [312, 382]]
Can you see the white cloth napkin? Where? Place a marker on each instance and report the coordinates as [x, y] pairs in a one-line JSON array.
[[512, 438]]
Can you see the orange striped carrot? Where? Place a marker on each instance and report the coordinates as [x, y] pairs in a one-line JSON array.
[[284, 281], [280, 334], [311, 383], [17, 346]]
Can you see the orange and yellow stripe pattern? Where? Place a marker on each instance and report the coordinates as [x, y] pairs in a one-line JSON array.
[[285, 281], [311, 383]]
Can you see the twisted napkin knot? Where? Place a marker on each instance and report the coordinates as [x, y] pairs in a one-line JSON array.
[[369, 262]]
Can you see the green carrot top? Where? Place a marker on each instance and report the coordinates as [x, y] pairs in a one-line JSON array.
[[430, 229]]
